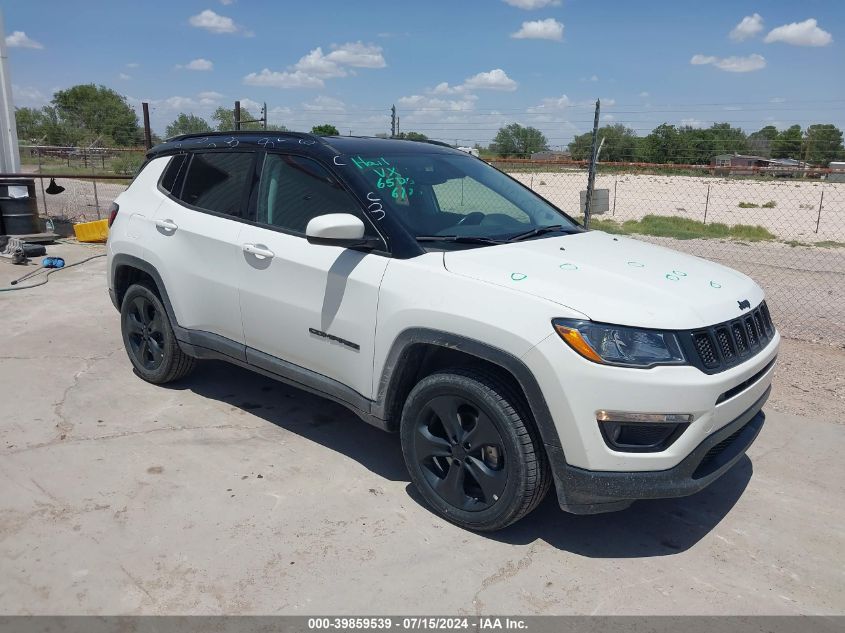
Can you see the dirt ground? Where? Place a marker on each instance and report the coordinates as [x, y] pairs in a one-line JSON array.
[[231, 493]]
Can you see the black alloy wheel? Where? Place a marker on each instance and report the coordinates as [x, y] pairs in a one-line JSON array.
[[472, 449], [145, 333], [460, 453]]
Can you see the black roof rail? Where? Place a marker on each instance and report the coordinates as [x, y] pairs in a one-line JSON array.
[[277, 133], [433, 142]]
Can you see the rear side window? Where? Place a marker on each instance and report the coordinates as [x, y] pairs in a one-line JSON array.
[[217, 181], [173, 173]]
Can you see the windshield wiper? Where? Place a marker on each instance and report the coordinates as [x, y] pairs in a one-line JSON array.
[[460, 239], [540, 230]]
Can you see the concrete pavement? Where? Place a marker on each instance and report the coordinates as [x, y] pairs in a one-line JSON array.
[[231, 493]]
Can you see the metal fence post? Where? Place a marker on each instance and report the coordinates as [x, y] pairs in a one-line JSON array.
[[96, 197], [707, 203], [821, 204], [615, 179], [591, 173], [41, 179]]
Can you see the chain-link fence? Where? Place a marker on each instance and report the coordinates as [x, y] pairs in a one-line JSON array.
[[784, 229]]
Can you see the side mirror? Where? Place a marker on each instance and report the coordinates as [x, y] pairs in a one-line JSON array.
[[339, 229]]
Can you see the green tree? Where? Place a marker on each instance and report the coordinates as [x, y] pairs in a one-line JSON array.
[[326, 129], [412, 136], [516, 140], [661, 145], [762, 141], [788, 143], [98, 115], [225, 118], [621, 144], [187, 124], [822, 144]]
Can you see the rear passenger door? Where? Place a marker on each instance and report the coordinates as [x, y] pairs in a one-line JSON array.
[[310, 305], [197, 241]]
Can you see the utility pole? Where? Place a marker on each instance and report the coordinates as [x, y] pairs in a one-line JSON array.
[[148, 138], [10, 158], [237, 115], [591, 176], [264, 115], [393, 121]]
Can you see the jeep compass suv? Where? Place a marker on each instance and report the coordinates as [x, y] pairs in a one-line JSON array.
[[437, 297]]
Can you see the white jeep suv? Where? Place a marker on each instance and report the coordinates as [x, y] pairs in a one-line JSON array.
[[436, 296]]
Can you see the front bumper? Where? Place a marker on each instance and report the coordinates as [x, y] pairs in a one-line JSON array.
[[591, 492]]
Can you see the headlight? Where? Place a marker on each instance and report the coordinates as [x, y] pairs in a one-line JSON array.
[[620, 345]]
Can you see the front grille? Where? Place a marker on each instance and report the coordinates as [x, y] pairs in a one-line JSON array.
[[724, 345]]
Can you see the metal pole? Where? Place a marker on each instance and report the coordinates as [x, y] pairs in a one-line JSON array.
[[265, 115], [707, 203], [591, 174], [96, 197], [237, 115], [148, 136], [821, 204], [615, 179], [43, 194]]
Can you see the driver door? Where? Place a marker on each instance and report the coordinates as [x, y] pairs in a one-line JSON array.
[[313, 306]]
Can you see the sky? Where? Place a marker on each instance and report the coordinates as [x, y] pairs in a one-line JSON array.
[[456, 70]]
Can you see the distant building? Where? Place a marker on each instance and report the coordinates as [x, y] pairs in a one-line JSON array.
[[737, 164], [551, 155]]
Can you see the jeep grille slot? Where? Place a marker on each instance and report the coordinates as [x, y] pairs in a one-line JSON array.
[[724, 345]]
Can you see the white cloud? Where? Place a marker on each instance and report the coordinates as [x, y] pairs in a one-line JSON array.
[[548, 29], [423, 103], [216, 23], [210, 95], [552, 104], [322, 103], [274, 79], [594, 78], [530, 5], [644, 94], [358, 55], [27, 96], [806, 33], [253, 106], [496, 79], [749, 26], [777, 100], [608, 117], [732, 64], [314, 67], [696, 123], [226, 2], [133, 65], [123, 76], [198, 64], [19, 39]]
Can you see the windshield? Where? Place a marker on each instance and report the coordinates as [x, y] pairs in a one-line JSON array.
[[458, 198]]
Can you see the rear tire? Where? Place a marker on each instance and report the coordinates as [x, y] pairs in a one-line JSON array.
[[149, 340], [472, 450]]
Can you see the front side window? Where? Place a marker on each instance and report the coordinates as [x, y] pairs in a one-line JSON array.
[[217, 181], [458, 197], [295, 189]]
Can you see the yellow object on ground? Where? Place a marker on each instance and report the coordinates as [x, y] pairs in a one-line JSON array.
[[96, 231]]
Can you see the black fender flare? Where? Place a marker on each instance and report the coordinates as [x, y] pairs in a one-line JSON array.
[[122, 259], [392, 374]]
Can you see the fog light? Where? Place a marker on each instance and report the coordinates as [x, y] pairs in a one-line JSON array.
[[641, 432]]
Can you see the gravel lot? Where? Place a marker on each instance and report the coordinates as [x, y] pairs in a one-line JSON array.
[[230, 493]]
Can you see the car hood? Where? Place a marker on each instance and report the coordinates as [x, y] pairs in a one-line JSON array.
[[613, 279]]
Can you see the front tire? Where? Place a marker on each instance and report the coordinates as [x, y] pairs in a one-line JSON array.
[[472, 450], [149, 340]]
